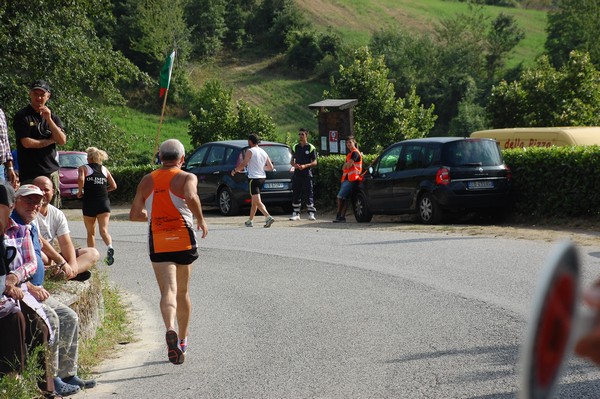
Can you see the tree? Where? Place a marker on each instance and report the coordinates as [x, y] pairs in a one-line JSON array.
[[252, 120], [147, 30], [214, 119], [304, 52], [380, 118], [273, 20], [207, 19], [502, 37], [545, 96], [217, 120], [56, 41], [237, 15], [573, 26], [463, 58]]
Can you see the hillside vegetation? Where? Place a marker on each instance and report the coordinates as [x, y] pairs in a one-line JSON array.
[[284, 94]]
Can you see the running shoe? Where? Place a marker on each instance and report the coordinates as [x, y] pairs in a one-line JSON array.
[[174, 352], [248, 223], [183, 343], [269, 221], [340, 220], [295, 216], [110, 256], [311, 216]]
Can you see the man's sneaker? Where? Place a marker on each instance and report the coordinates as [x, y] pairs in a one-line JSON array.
[[110, 256], [248, 223], [311, 216], [295, 216], [269, 221], [340, 220], [174, 352]]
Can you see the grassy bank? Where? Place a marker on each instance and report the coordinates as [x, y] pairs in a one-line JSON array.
[[284, 95]]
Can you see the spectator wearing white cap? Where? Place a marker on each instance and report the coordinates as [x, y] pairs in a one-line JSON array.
[[63, 319], [23, 322]]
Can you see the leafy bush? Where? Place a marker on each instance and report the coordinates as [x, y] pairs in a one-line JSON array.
[[217, 120], [556, 181], [127, 179], [545, 96]]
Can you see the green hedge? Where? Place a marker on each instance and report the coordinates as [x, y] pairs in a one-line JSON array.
[[127, 179], [557, 181]]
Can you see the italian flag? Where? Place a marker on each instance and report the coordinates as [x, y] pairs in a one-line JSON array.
[[165, 73]]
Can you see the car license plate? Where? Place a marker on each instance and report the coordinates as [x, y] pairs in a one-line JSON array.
[[480, 184], [274, 186]]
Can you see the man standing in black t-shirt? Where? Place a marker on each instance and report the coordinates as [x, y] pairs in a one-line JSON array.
[[38, 132], [304, 158]]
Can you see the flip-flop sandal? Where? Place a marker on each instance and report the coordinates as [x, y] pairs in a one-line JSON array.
[[174, 352]]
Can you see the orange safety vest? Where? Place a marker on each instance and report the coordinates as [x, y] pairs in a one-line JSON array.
[[353, 172]]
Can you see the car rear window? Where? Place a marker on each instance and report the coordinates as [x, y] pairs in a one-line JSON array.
[[279, 155], [72, 160], [472, 153]]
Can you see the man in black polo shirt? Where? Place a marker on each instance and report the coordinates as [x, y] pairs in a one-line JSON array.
[[303, 159], [38, 131]]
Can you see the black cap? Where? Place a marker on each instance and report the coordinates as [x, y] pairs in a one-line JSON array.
[[7, 195], [42, 85]]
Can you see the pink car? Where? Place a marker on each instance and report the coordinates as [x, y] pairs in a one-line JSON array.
[[68, 162]]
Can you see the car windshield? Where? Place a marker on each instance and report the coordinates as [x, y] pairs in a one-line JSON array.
[[72, 160], [472, 153], [279, 155]]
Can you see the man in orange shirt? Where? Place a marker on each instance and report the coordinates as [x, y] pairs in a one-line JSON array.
[[167, 198]]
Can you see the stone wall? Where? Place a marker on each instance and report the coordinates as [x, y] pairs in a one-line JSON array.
[[86, 299]]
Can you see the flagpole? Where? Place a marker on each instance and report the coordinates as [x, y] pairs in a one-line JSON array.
[[162, 116], [165, 81]]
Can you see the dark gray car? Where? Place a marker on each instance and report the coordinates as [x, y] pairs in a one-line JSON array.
[[432, 176], [213, 162]]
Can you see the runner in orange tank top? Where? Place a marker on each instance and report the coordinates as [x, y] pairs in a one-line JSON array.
[[167, 199]]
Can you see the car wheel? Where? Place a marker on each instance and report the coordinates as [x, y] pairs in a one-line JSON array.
[[361, 209], [227, 204], [429, 210]]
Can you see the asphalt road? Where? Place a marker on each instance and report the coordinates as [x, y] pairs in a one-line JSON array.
[[325, 311]]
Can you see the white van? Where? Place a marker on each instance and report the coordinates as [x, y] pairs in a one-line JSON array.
[[542, 136]]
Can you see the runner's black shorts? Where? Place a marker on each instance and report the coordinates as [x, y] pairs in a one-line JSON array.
[[180, 257], [255, 185]]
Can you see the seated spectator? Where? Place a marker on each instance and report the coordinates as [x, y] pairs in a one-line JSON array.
[[53, 224], [23, 323], [63, 320]]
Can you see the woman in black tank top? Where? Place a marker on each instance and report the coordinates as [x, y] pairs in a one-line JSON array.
[[95, 182]]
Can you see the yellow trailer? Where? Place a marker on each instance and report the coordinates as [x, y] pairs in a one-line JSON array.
[[542, 136]]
